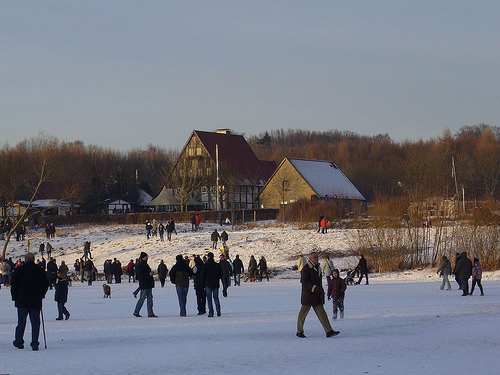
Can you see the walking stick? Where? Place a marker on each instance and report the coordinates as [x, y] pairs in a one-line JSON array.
[[43, 329]]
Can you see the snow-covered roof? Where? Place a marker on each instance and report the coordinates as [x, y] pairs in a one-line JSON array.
[[144, 197], [47, 203], [326, 179]]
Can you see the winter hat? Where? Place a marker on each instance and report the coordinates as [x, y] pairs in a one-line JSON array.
[[61, 276], [143, 255], [336, 271]]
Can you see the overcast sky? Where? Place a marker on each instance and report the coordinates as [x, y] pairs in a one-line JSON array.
[[125, 74]]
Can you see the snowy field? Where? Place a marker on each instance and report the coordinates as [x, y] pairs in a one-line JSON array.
[[399, 324]]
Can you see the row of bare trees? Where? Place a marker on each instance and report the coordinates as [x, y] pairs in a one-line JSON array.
[[379, 166], [89, 174]]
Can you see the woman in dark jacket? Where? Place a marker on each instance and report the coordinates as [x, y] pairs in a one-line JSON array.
[[162, 273]]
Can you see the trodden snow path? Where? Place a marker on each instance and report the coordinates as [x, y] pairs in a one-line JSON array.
[[390, 327]]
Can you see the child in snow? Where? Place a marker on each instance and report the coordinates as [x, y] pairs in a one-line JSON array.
[[336, 290], [61, 296]]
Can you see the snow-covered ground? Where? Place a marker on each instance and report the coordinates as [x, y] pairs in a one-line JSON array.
[[399, 324]]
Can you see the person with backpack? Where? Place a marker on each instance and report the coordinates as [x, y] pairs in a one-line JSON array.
[[179, 275]]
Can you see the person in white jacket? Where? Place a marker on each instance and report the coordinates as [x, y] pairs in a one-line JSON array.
[[327, 269]]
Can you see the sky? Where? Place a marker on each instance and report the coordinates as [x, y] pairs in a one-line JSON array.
[[127, 74]]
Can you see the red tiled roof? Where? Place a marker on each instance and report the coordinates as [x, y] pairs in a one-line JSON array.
[[235, 153]]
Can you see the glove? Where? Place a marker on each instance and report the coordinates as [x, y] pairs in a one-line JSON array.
[[329, 298]]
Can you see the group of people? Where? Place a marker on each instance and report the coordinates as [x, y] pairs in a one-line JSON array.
[[50, 230], [464, 269], [215, 237], [154, 229], [208, 278]]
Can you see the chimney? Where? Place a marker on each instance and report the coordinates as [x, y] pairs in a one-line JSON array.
[[227, 132]]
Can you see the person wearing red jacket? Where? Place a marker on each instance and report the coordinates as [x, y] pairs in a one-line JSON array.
[[336, 290], [324, 225]]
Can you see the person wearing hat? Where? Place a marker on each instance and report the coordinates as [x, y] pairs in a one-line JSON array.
[[29, 285], [146, 285], [61, 296]]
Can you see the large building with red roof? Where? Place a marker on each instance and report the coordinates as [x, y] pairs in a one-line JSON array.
[[212, 162]]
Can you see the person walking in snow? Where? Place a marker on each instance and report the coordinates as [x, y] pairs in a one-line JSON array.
[[29, 285], [117, 271], [146, 285], [149, 227], [362, 267], [313, 295], [238, 270], [52, 272], [263, 268], [445, 271], [464, 272], [154, 228], [201, 295], [252, 268], [224, 237], [211, 273], [162, 273], [477, 274], [170, 229], [300, 262], [193, 223], [179, 275], [131, 270], [215, 238], [227, 272], [457, 278], [336, 291], [324, 226], [61, 296], [327, 268], [161, 231]]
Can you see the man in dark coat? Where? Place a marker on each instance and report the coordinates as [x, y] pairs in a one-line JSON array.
[[146, 285], [362, 268], [464, 272], [215, 237], [201, 295], [210, 276], [179, 275], [28, 287], [162, 273], [52, 272], [117, 271], [238, 270], [227, 272], [313, 296]]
